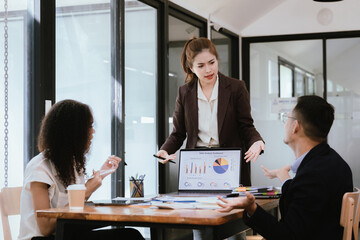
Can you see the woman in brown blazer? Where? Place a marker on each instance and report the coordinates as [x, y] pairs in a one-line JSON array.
[[212, 110]]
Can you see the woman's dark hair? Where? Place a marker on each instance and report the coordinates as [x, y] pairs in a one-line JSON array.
[[64, 138], [192, 48], [316, 116]]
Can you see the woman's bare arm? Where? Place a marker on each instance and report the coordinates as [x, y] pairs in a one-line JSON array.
[[40, 196]]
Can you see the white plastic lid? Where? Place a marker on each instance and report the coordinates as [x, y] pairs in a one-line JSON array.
[[76, 187]]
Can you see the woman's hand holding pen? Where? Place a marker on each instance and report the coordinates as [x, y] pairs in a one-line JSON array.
[[110, 166], [95, 181], [254, 151], [164, 154]]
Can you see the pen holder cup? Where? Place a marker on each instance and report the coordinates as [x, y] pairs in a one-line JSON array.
[[136, 188]]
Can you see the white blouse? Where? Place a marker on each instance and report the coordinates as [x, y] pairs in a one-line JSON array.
[[40, 170], [208, 135]]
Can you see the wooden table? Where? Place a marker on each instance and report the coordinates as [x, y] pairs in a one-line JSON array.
[[221, 225]]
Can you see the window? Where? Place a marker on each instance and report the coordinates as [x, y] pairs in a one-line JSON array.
[[286, 81], [17, 23], [140, 94], [16, 73], [294, 81], [83, 56]]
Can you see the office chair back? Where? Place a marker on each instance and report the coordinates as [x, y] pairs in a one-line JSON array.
[[349, 217], [10, 205]]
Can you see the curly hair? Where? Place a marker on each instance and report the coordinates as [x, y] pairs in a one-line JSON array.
[[191, 49], [64, 138]]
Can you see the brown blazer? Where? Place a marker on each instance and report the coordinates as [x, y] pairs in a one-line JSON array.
[[235, 124]]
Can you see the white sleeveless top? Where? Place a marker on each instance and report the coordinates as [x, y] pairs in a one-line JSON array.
[[40, 170]]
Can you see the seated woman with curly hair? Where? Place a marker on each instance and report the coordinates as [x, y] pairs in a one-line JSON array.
[[64, 140]]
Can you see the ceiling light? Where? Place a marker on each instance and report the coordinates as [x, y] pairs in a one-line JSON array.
[[325, 16], [327, 0]]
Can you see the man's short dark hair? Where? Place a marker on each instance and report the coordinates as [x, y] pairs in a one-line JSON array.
[[316, 116]]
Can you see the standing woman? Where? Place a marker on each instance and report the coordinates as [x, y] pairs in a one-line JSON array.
[[212, 110], [64, 140]]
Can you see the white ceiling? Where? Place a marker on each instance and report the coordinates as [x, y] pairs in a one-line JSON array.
[[276, 17], [232, 14]]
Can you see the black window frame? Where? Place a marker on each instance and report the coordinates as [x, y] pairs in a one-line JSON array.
[[324, 36]]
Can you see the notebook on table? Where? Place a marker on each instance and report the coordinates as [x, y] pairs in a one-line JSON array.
[[208, 171]]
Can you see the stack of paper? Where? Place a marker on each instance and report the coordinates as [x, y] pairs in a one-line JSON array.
[[266, 192]]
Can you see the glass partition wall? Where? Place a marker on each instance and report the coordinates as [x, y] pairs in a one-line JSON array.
[[284, 70], [83, 57], [272, 78], [343, 92]]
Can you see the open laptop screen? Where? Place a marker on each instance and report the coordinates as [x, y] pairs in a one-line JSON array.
[[209, 169]]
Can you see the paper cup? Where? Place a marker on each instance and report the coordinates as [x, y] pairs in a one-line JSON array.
[[76, 194]]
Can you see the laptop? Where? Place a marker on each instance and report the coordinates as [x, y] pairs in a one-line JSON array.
[[208, 171]]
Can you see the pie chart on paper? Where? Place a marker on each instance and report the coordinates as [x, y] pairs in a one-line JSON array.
[[220, 165]]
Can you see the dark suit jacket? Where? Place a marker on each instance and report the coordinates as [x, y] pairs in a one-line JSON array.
[[310, 204], [235, 124]]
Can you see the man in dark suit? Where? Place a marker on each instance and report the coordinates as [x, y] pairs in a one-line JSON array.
[[310, 204]]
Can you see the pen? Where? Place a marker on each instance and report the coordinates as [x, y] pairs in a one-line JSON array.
[[162, 158], [174, 201], [232, 195], [184, 201]]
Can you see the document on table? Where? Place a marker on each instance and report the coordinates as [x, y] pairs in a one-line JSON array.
[[145, 199], [168, 202]]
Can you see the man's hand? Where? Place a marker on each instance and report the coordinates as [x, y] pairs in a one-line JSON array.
[[281, 173], [247, 203]]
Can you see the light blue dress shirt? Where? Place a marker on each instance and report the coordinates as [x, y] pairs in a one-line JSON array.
[[294, 167]]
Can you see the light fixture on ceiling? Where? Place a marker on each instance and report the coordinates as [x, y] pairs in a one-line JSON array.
[[327, 0], [325, 16]]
